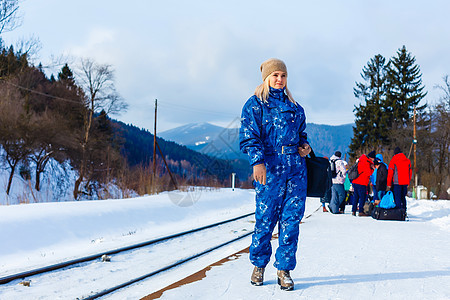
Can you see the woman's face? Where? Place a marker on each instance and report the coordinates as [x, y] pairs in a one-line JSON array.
[[278, 79]]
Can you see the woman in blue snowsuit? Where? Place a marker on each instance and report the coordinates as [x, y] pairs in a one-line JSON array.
[[272, 134]]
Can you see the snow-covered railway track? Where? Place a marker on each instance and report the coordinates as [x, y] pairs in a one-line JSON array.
[[90, 277]]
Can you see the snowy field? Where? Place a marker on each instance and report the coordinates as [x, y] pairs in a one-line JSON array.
[[339, 257]]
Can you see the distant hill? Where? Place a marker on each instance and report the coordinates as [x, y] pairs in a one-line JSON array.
[[208, 139], [224, 142], [193, 134], [138, 148], [326, 139]]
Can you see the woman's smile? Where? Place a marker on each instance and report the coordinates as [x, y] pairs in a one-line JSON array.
[[278, 79]]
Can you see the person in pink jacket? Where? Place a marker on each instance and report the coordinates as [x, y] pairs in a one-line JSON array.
[[365, 169]]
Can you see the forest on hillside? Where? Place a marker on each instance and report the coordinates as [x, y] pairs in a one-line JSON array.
[[66, 118]]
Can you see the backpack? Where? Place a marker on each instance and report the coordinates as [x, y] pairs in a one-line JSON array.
[[353, 172], [333, 168]]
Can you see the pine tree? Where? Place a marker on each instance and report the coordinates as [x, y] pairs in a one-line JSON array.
[[66, 76], [371, 123], [405, 89]]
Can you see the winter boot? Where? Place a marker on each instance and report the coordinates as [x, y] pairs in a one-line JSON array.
[[257, 276], [285, 281]]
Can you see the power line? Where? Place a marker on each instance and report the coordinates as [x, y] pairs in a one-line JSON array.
[[39, 93], [166, 104]]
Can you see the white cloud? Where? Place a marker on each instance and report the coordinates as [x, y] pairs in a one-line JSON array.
[[206, 54], [99, 44]]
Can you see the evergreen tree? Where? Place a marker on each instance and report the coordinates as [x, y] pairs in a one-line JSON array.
[[12, 63], [405, 89], [390, 92], [371, 125], [66, 76]]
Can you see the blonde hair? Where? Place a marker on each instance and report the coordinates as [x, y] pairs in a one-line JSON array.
[[262, 92]]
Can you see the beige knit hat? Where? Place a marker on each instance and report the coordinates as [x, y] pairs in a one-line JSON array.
[[272, 65]]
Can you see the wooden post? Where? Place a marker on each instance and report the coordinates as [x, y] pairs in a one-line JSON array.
[[233, 178], [167, 166], [415, 169], [154, 150]]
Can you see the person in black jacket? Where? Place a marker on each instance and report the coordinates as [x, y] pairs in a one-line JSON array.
[[381, 180]]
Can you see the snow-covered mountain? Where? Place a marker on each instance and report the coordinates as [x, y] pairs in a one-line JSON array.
[[207, 138], [224, 142], [192, 134]]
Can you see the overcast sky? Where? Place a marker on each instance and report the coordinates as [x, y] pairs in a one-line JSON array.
[[201, 59]]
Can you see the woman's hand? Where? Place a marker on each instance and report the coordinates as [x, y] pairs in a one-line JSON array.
[[304, 150], [259, 173]]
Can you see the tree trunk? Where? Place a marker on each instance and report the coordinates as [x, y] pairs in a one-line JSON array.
[[40, 167], [76, 187], [11, 175], [87, 128], [38, 180]]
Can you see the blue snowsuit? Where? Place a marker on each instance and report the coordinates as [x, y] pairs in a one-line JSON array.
[[271, 133]]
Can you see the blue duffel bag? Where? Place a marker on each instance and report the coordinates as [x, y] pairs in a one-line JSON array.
[[387, 201]]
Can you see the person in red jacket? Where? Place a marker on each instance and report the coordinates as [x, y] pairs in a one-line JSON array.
[[399, 176], [365, 169]]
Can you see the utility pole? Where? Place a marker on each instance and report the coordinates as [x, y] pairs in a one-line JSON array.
[[415, 169], [155, 144], [154, 150], [233, 179], [167, 166]]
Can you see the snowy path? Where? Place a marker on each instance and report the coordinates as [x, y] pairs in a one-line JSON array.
[[344, 257], [339, 257]]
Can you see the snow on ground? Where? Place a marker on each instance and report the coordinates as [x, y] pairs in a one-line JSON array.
[[339, 256], [40, 234], [347, 257]]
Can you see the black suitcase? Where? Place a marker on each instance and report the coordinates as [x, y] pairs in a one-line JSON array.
[[319, 175], [394, 214]]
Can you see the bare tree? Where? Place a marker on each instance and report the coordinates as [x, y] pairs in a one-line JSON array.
[[51, 133], [13, 130], [9, 17], [30, 47], [445, 88], [441, 137], [97, 81]]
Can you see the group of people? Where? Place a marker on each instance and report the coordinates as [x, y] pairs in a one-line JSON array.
[[272, 134], [373, 173]]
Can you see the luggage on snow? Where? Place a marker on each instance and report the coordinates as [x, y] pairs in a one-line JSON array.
[[319, 175], [394, 214]]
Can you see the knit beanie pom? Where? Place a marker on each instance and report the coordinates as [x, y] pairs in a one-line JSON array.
[[271, 65]]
